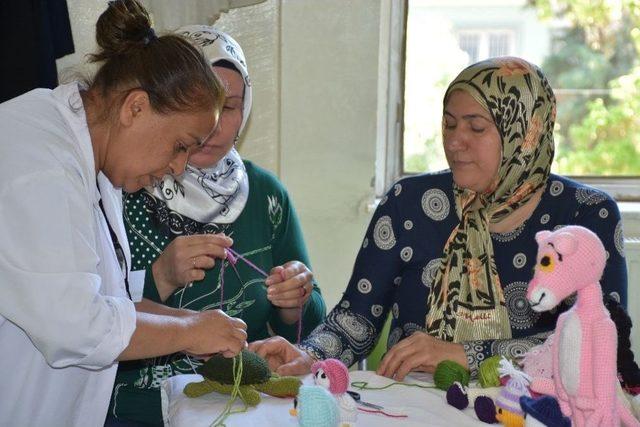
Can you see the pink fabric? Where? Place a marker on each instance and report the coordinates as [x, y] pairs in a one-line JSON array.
[[337, 373], [572, 259]]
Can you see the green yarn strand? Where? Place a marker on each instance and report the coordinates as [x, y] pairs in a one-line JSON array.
[[227, 411]]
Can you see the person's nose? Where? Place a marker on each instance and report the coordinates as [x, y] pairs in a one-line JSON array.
[[179, 163], [455, 140]]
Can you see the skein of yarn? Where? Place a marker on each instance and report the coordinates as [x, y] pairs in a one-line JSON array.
[[488, 375], [448, 372]]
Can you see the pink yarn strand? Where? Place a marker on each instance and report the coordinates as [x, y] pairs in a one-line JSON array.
[[299, 324], [249, 263], [377, 411], [222, 286]]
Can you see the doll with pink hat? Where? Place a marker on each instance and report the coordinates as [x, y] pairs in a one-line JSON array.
[[333, 375]]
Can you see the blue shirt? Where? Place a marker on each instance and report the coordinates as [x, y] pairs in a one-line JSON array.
[[401, 253]]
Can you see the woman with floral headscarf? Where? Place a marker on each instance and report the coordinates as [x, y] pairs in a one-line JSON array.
[[450, 253], [178, 232]]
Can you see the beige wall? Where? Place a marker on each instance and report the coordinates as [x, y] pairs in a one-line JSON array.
[[314, 67], [329, 84]]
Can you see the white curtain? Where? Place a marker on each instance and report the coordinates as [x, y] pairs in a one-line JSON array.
[[169, 15]]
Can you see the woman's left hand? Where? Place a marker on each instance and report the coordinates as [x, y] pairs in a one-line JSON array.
[[289, 285], [419, 352]]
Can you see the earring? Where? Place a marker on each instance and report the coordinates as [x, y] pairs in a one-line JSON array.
[[236, 139]]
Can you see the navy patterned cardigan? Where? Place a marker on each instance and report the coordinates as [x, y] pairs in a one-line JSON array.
[[401, 252]]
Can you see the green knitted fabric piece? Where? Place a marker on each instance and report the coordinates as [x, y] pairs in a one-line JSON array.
[[219, 368]]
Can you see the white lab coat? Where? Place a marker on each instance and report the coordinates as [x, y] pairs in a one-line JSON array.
[[64, 313]]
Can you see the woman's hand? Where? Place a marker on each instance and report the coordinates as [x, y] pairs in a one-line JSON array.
[[212, 331], [283, 357], [419, 352], [185, 260], [289, 285]]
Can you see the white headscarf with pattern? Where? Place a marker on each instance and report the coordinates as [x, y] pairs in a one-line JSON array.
[[216, 194]]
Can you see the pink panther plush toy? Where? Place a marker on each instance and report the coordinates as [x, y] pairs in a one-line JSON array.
[[584, 348]]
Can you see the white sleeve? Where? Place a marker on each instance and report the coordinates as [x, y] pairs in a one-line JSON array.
[[49, 277]]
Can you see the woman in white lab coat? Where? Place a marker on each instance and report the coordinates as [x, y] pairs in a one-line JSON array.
[[65, 313]]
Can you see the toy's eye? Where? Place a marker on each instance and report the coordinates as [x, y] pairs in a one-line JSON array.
[[547, 264], [316, 374], [500, 411], [295, 403], [324, 375]]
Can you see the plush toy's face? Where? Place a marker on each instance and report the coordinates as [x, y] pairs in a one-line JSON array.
[[294, 411], [508, 418], [552, 281], [569, 259], [540, 295], [321, 379]]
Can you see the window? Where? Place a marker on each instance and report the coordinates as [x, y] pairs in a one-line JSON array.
[[480, 44], [593, 68]]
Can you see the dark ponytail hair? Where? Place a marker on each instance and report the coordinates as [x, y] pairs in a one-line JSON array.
[[173, 72]]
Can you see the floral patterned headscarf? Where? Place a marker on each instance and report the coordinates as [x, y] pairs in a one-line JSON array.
[[466, 301]]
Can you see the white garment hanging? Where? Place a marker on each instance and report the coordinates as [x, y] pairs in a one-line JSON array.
[[64, 313]]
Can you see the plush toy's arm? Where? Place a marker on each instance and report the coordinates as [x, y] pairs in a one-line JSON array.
[[603, 371]]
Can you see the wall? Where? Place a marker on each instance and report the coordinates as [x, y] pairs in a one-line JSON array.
[[329, 80]]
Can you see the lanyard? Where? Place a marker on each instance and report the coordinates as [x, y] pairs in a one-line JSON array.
[[122, 260]]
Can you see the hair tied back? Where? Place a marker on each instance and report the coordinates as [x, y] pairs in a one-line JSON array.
[[149, 37]]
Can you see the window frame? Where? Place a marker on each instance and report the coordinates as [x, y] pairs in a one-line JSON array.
[[389, 144]]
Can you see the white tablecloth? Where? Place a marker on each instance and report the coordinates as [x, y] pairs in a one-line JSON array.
[[424, 407]]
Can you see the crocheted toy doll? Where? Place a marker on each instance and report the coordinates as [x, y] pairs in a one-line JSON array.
[[542, 412], [315, 407], [508, 410], [585, 342], [218, 373], [333, 375]]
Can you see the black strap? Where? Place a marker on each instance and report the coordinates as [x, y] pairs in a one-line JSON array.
[[122, 259]]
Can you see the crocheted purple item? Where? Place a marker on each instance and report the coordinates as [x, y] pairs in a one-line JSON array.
[[485, 409], [456, 396]]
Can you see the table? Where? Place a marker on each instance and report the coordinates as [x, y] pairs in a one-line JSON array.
[[424, 407]]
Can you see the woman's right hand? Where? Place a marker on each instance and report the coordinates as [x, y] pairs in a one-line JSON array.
[[212, 331], [185, 260], [283, 357]]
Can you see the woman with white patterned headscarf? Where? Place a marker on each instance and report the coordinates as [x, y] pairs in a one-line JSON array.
[[450, 254], [177, 226]]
